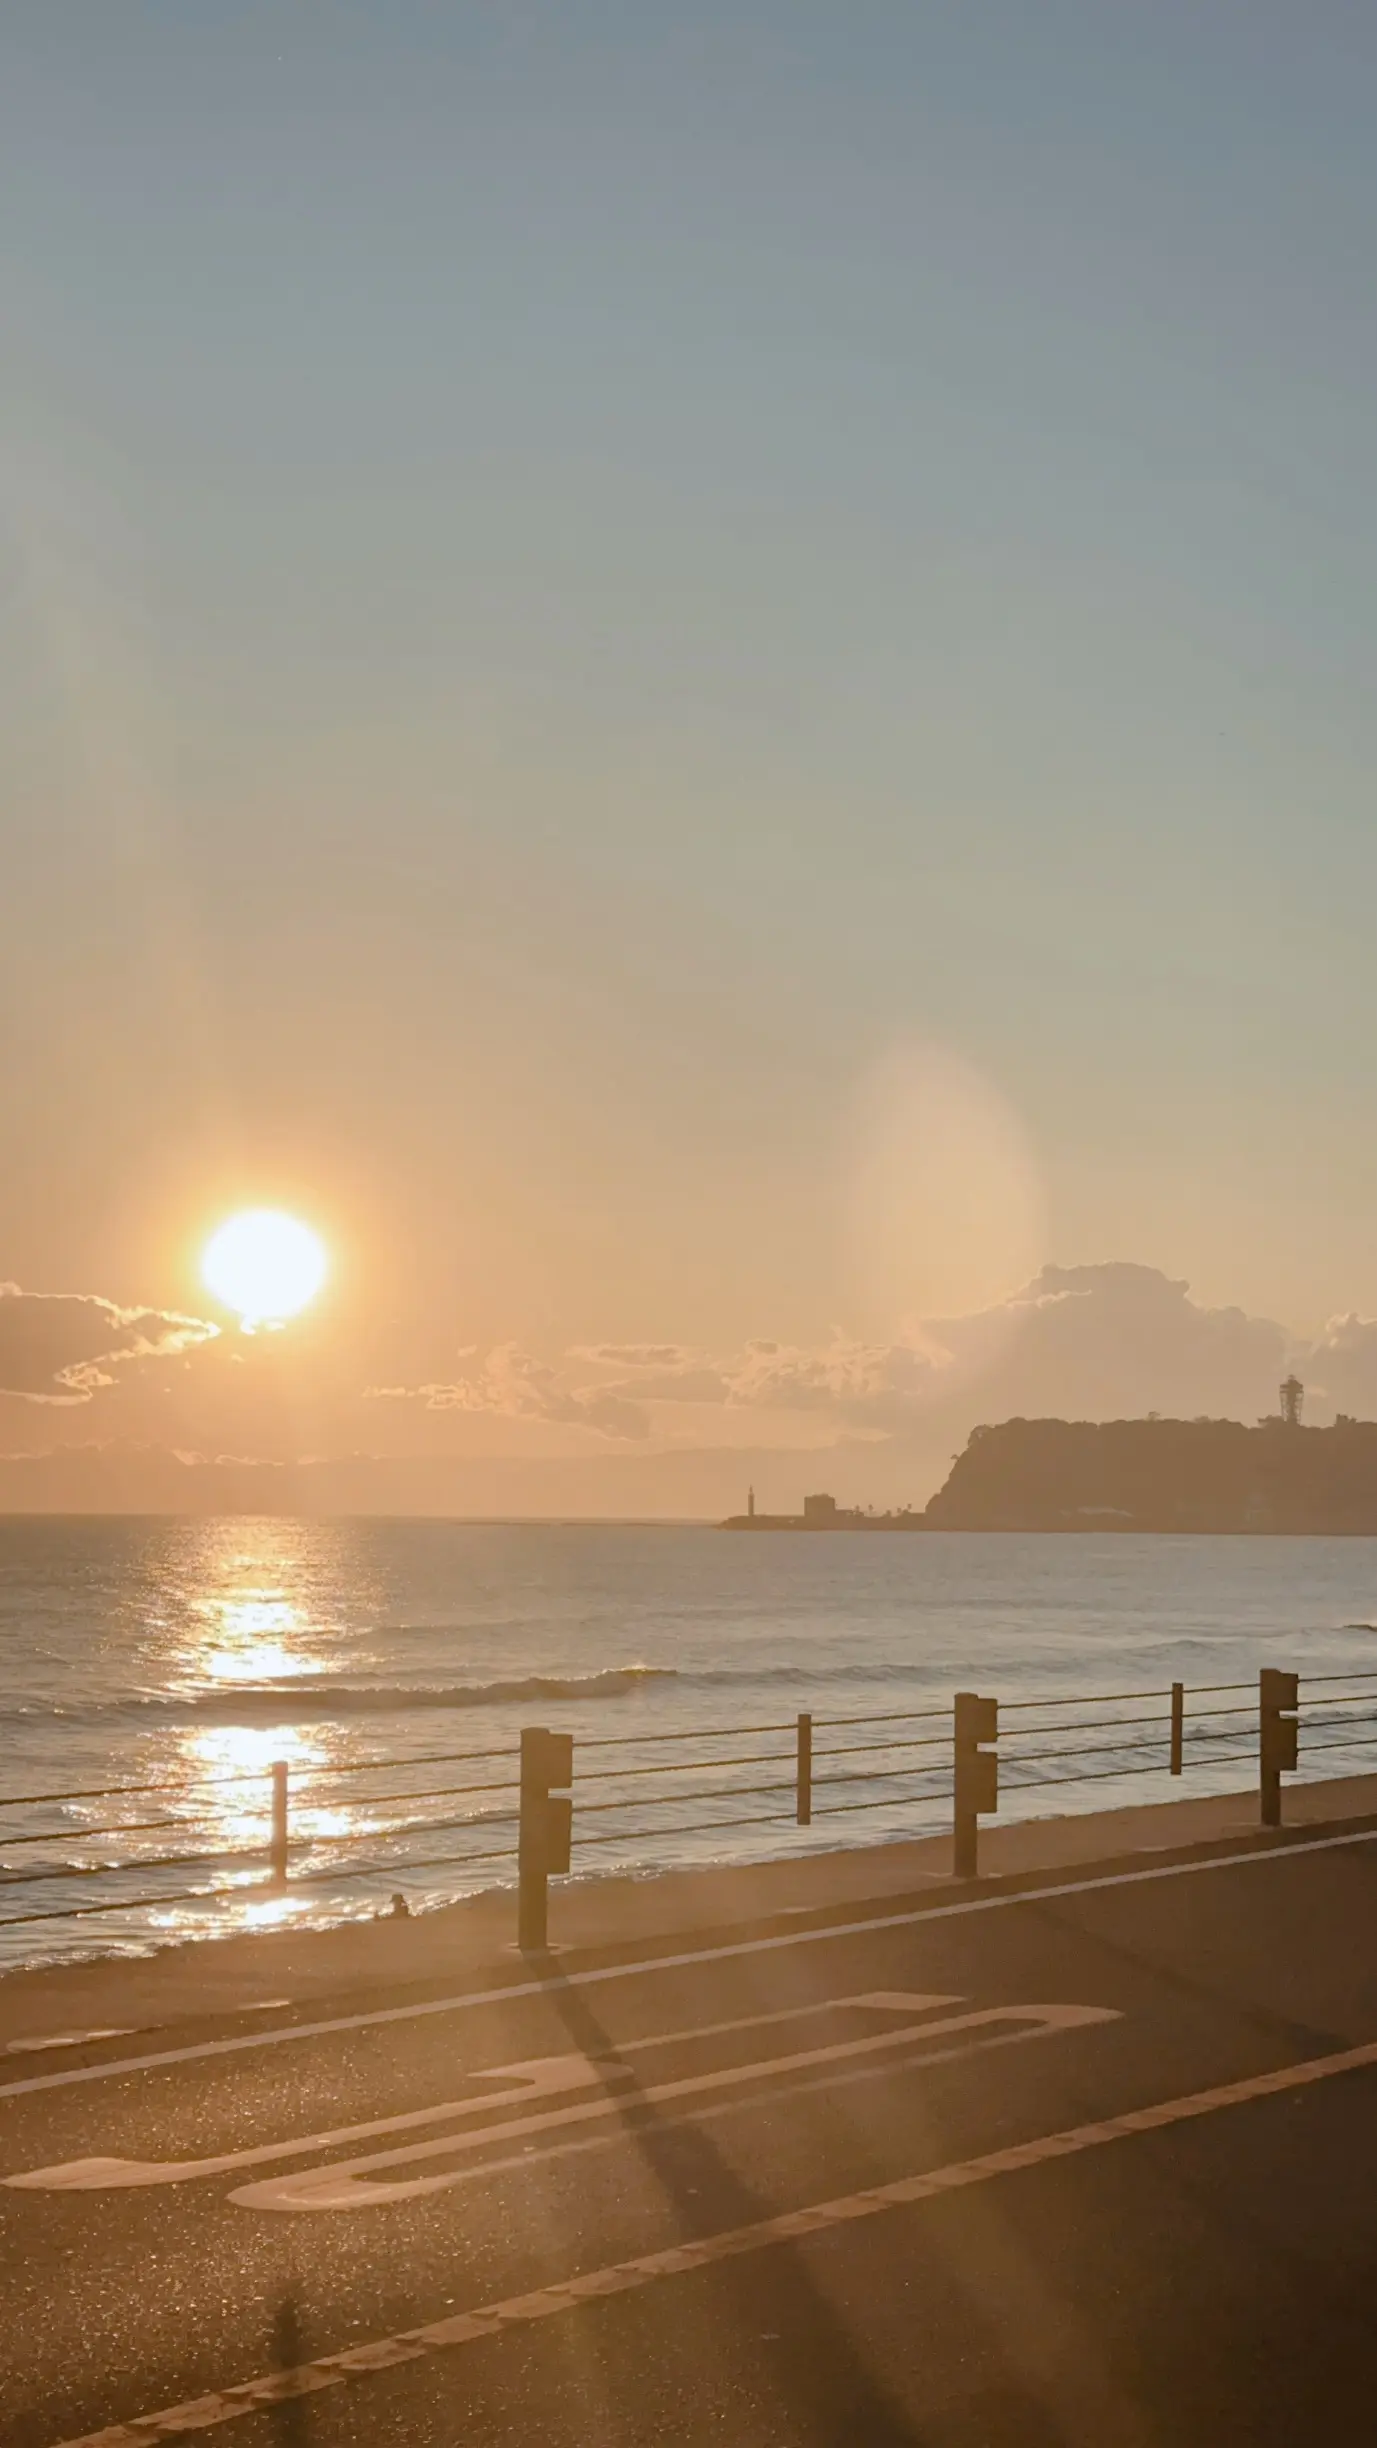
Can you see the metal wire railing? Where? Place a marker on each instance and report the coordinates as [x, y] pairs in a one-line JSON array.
[[652, 1795], [241, 1834]]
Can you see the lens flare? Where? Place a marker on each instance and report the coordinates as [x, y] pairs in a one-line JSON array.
[[946, 1202]]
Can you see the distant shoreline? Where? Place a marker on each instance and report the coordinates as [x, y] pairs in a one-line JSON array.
[[699, 1521], [469, 1521]]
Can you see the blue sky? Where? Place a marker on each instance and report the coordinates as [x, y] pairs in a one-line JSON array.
[[577, 579]]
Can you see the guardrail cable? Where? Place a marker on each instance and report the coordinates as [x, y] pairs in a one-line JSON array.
[[676, 1801], [1120, 1735], [607, 1742], [706, 1827], [742, 1759], [902, 1742], [1102, 1699], [877, 1776]]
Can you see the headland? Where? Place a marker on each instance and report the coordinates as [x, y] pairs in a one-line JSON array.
[[1212, 1476]]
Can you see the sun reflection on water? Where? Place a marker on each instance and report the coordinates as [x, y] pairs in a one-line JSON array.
[[232, 1646], [253, 1636], [251, 1624], [231, 1767]]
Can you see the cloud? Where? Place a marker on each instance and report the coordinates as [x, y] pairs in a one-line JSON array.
[[1092, 1342], [696, 1385], [634, 1355], [659, 1372], [1342, 1365], [878, 1386], [1115, 1340], [60, 1347], [1083, 1342], [861, 1382], [511, 1384], [645, 1422], [700, 1383]]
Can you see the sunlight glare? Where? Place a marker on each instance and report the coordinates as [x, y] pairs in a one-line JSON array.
[[265, 1265]]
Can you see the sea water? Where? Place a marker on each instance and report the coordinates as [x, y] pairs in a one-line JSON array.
[[177, 1660]]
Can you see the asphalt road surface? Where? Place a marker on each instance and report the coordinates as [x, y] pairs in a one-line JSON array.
[[1094, 2163]]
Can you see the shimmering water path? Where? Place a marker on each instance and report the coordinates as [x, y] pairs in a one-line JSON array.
[[193, 1654]]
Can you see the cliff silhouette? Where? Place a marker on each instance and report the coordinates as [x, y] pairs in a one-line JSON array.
[[1163, 1474]]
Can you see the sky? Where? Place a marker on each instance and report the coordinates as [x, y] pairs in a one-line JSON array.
[[701, 678]]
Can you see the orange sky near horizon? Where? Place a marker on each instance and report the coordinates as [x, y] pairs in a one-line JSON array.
[[703, 690]]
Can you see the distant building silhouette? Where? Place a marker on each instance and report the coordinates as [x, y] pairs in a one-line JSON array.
[[1292, 1402], [822, 1512]]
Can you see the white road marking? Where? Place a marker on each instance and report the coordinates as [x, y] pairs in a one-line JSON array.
[[349, 2184], [53, 2040], [917, 2056], [527, 2082], [464, 2001], [463, 2329]]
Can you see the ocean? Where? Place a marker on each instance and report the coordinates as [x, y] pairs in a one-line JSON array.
[[183, 1657]]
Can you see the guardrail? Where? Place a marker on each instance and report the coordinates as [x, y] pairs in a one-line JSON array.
[[261, 1798], [960, 1755]]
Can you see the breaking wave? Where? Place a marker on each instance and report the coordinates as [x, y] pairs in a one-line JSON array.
[[317, 1696]]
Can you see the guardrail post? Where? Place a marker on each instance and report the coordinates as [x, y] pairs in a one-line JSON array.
[[1278, 1699], [277, 1856], [546, 1830], [805, 1771], [1178, 1725], [975, 1780]]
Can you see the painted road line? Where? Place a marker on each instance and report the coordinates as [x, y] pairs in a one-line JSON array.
[[463, 2329], [527, 2082], [644, 1967], [63, 2040], [351, 2184], [528, 2160]]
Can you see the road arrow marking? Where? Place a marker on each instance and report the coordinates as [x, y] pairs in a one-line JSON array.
[[525, 2083], [352, 2185], [489, 2320]]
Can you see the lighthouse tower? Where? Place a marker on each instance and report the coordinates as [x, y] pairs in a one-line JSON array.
[[750, 1504]]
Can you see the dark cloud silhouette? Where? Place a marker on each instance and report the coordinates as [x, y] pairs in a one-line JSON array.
[[61, 1347]]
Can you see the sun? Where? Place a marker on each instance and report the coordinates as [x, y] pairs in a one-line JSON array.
[[264, 1265]]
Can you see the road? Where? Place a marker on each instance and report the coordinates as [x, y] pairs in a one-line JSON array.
[[1092, 2163]]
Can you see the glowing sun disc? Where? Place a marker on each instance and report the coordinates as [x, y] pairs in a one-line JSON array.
[[265, 1265]]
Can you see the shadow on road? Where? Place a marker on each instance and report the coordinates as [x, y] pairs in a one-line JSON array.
[[291, 2420], [832, 2396]]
